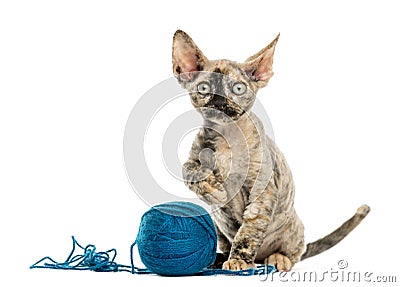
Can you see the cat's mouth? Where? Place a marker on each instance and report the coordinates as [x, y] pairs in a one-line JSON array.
[[224, 113]]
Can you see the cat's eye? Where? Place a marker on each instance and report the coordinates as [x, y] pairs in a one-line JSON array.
[[239, 88], [204, 88]]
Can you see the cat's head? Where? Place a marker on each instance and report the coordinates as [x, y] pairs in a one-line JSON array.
[[221, 90]]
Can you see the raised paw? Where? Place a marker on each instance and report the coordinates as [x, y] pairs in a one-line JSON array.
[[281, 262], [236, 265], [212, 192]]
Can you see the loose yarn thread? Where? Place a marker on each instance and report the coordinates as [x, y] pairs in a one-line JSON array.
[[89, 260]]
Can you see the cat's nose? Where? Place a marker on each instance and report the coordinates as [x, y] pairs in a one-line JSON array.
[[218, 101]]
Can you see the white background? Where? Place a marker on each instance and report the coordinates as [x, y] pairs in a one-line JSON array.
[[71, 71]]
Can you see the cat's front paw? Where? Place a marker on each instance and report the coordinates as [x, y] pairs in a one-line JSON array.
[[211, 191], [237, 264]]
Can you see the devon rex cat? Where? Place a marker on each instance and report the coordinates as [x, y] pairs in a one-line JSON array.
[[237, 169]]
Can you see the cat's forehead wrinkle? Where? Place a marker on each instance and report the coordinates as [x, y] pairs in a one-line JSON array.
[[220, 66], [217, 70], [224, 67]]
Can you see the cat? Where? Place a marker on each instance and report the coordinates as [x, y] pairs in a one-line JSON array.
[[237, 169]]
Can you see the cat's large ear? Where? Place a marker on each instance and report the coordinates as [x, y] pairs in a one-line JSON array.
[[186, 57], [259, 66]]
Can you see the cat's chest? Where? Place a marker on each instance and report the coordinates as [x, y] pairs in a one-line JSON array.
[[234, 152], [224, 153]]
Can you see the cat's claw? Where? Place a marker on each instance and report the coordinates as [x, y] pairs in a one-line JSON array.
[[236, 265], [281, 262]]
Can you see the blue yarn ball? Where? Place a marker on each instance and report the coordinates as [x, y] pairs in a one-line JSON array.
[[177, 238]]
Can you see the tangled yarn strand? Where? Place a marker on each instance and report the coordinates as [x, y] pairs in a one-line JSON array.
[[89, 260]]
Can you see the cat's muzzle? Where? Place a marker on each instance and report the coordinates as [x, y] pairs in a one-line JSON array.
[[224, 113]]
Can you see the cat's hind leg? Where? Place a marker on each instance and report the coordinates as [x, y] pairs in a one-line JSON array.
[[291, 245]]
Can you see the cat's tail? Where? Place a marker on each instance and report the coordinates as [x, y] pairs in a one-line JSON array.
[[336, 236]]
